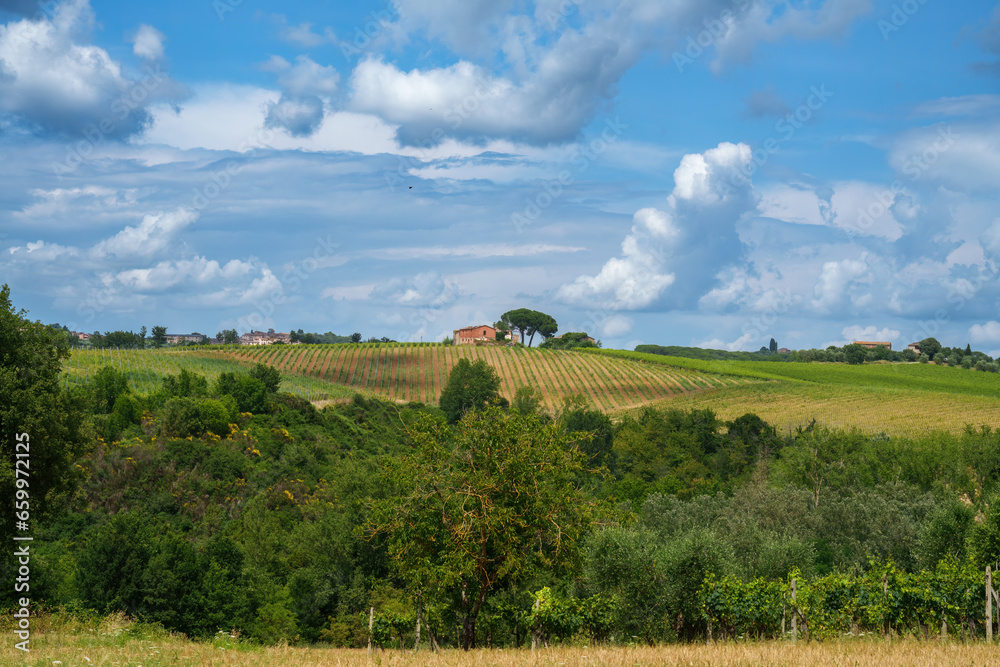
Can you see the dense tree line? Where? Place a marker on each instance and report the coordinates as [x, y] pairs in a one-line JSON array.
[[225, 504]]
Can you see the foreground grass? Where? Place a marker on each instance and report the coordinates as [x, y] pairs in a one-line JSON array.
[[117, 641]]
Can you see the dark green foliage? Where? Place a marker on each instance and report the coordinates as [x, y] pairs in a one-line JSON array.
[[159, 337], [269, 375], [528, 323], [471, 386], [855, 354], [127, 412], [569, 341], [108, 384], [249, 392], [930, 347]]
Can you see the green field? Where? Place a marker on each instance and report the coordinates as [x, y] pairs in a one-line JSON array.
[[898, 399]]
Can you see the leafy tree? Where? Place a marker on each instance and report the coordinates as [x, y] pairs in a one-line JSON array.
[[48, 422], [159, 338], [142, 336], [773, 347], [269, 375], [930, 347], [355, 337], [528, 323], [855, 354], [108, 384], [482, 507], [470, 386], [527, 400], [230, 337]]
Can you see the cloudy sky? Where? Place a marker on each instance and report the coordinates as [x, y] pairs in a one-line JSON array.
[[685, 172]]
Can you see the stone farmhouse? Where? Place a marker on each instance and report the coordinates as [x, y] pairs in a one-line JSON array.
[[176, 339], [479, 334], [264, 338]]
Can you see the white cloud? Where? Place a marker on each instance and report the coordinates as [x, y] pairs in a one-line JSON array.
[[64, 87], [427, 289], [694, 234], [985, 333], [836, 283], [153, 235], [148, 43]]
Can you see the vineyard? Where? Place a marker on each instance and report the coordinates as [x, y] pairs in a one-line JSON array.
[[898, 399], [418, 372], [145, 370]]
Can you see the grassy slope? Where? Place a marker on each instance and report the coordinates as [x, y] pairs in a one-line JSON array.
[[899, 399]]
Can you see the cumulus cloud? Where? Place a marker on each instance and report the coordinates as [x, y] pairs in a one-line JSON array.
[[838, 283], [685, 245], [148, 43], [307, 88], [150, 237], [985, 333], [57, 85]]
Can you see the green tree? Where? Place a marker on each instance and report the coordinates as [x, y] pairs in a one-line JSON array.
[[269, 375], [37, 416], [159, 338], [108, 384], [930, 347], [470, 386], [230, 337], [483, 506], [355, 337], [773, 347], [855, 354], [528, 323]]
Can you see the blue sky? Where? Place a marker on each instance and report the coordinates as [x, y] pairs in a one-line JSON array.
[[685, 172]]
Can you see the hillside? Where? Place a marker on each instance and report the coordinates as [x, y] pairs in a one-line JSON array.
[[898, 399]]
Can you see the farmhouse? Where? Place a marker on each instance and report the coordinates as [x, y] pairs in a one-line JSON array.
[[872, 345], [176, 339], [482, 333], [264, 338], [914, 346]]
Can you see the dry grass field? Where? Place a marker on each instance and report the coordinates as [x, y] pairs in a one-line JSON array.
[[116, 641]]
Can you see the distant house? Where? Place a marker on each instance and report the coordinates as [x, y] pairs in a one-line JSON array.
[[914, 346], [264, 338], [482, 333], [784, 350], [81, 335], [177, 339], [872, 345]]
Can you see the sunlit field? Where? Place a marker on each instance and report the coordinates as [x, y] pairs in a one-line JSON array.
[[894, 411], [116, 641]]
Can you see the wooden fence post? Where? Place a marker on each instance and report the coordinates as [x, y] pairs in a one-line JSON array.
[[420, 617], [795, 613], [535, 634], [371, 624], [989, 604]]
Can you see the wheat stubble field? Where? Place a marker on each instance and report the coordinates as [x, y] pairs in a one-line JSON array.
[[59, 639]]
